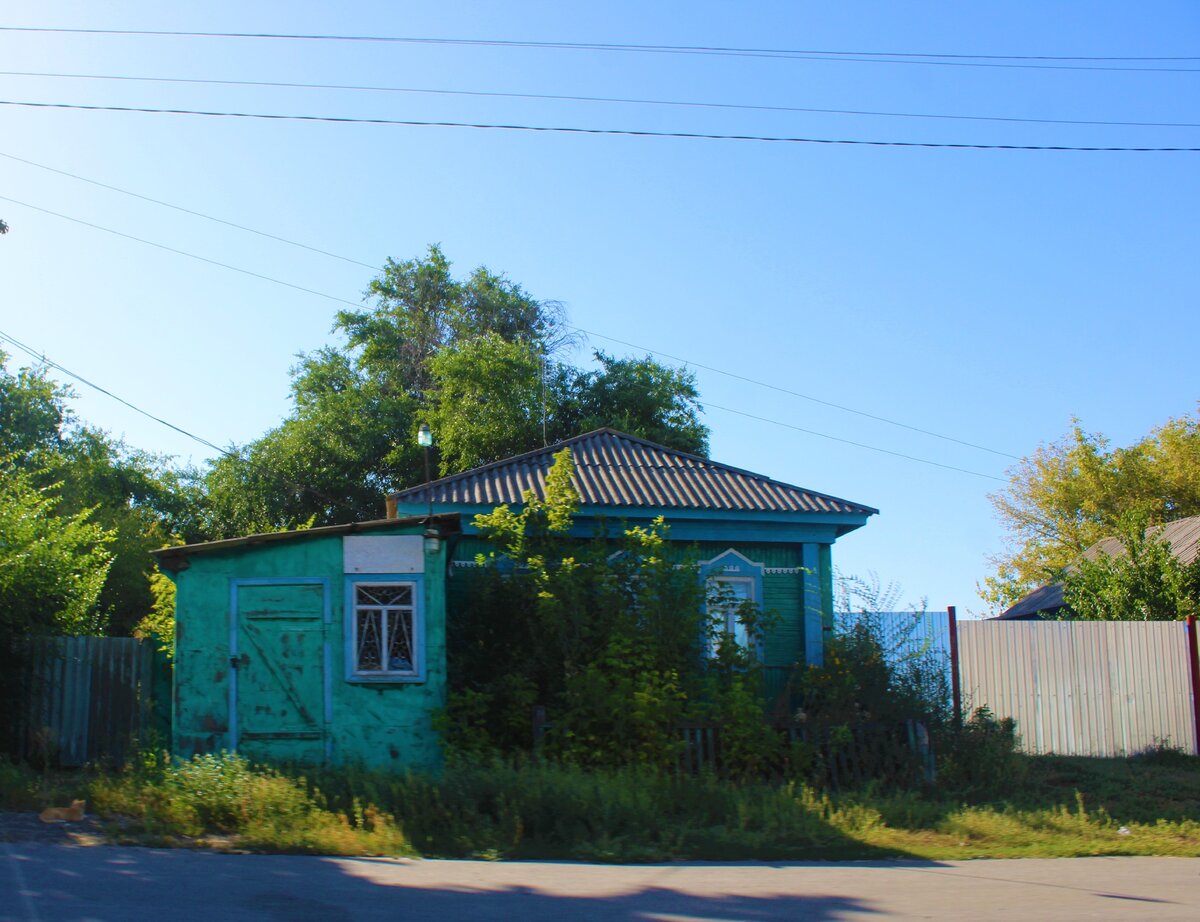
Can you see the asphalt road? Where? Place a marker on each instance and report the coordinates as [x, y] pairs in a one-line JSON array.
[[42, 882]]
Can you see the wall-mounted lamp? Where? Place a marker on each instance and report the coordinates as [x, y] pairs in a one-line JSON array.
[[425, 440]]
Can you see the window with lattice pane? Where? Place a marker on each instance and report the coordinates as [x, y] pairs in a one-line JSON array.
[[386, 628]]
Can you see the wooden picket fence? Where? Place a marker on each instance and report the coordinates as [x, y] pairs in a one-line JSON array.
[[846, 757], [90, 699]]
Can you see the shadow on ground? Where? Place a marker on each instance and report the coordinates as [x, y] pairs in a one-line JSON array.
[[106, 884]]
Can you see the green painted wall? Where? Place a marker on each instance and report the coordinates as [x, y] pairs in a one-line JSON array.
[[293, 699], [783, 592]]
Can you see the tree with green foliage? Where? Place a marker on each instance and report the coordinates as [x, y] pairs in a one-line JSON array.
[[1071, 493], [135, 497], [476, 359], [618, 639], [487, 401], [638, 396], [53, 568], [1144, 581]]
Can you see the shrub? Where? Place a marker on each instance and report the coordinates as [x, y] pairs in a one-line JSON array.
[[261, 807], [983, 756]]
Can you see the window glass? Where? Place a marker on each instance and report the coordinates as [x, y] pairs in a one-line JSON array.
[[384, 629], [726, 597]]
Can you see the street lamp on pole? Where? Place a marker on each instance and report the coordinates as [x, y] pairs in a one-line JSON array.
[[425, 440]]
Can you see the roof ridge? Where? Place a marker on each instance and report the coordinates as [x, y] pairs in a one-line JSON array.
[[549, 450]]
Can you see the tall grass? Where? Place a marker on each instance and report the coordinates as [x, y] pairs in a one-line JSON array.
[[256, 807], [536, 809]]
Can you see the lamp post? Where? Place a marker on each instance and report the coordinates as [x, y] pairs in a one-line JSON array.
[[425, 440]]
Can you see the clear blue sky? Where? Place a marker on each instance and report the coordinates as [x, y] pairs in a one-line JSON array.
[[987, 295]]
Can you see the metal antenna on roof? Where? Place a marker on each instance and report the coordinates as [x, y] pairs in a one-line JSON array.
[[542, 357]]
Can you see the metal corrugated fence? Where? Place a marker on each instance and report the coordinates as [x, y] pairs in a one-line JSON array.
[[90, 698], [1082, 687]]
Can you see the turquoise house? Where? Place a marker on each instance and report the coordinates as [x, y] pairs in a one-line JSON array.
[[769, 542], [330, 644]]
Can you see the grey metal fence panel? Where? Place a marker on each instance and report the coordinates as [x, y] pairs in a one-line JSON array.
[[1082, 687], [89, 698]]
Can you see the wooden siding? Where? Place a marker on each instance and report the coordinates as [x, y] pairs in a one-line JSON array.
[[783, 595]]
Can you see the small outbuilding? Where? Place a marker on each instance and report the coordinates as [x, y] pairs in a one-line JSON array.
[[326, 644]]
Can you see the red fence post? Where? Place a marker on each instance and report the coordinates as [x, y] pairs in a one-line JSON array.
[[1194, 668], [955, 684]]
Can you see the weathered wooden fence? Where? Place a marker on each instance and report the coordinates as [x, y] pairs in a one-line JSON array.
[[895, 753], [89, 699], [1083, 688]]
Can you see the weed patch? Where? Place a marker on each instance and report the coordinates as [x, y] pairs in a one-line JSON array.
[[501, 809]]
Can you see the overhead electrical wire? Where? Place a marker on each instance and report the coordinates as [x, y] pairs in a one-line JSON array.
[[224, 452], [619, 132], [554, 97], [330, 297], [1035, 62], [886, 451], [42, 357], [163, 246], [180, 208], [641, 348], [792, 393]]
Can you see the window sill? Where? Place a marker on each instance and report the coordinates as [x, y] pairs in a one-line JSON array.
[[364, 678]]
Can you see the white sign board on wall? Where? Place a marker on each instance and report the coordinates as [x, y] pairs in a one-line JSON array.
[[383, 554]]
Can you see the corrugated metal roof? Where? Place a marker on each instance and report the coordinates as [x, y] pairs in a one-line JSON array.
[[615, 469], [175, 558], [1183, 535]]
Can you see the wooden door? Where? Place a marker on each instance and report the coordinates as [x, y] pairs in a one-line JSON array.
[[280, 661]]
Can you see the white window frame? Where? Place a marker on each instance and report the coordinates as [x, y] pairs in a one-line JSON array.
[[351, 617], [731, 623]]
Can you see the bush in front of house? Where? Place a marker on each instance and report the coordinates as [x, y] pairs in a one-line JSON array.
[[617, 639], [222, 794]]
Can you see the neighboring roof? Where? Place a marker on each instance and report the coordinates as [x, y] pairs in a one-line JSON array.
[[1183, 535], [175, 558], [613, 469]]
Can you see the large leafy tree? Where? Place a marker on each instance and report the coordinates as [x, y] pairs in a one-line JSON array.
[[134, 497], [1071, 493], [641, 397], [53, 568], [477, 359]]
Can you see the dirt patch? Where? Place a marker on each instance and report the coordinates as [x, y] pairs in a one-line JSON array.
[[26, 827]]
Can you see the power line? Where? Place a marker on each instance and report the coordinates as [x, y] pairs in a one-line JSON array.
[[792, 393], [162, 246], [602, 99], [41, 357], [224, 452], [641, 348], [776, 422], [872, 57], [44, 359], [620, 132], [198, 214], [335, 298]]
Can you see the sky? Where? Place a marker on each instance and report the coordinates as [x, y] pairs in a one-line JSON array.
[[987, 296]]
